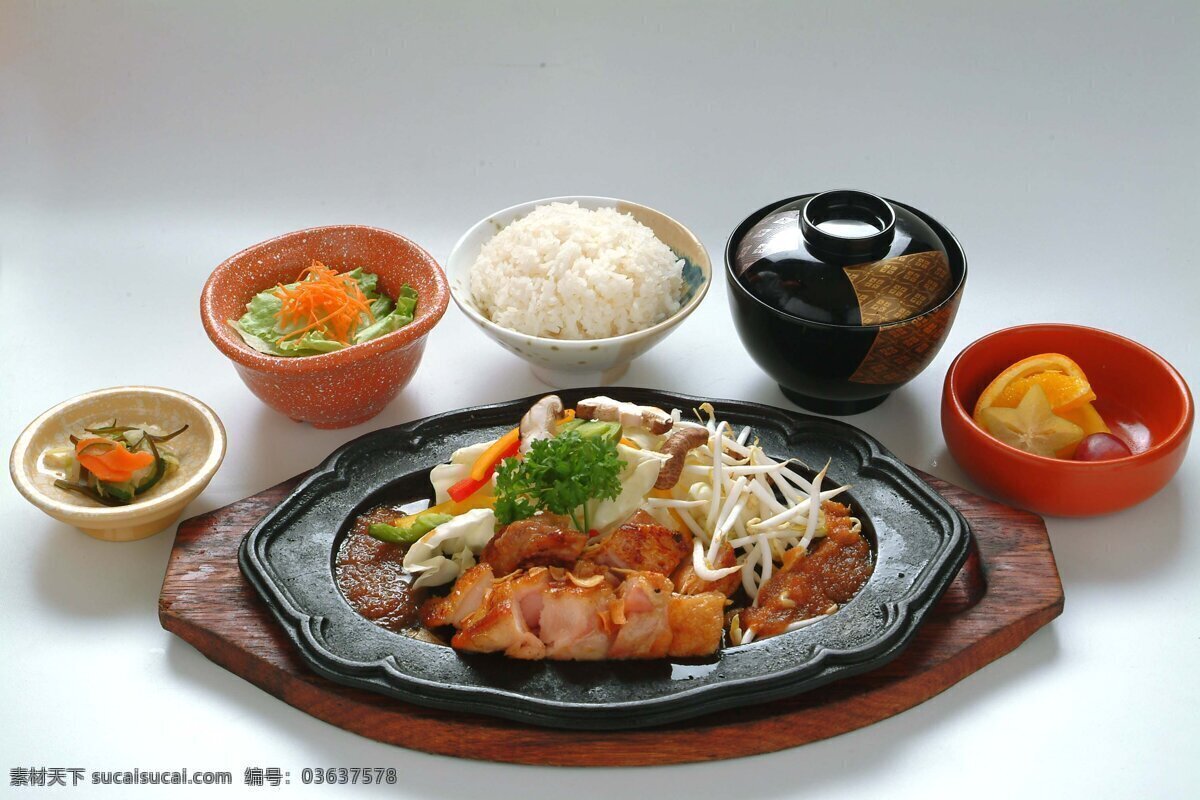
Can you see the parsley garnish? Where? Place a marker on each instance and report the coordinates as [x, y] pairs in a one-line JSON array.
[[558, 475]]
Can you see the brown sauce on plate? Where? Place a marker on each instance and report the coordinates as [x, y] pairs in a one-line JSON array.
[[816, 583], [371, 575]]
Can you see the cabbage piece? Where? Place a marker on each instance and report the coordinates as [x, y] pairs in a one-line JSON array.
[[60, 457], [441, 555], [644, 438], [637, 479], [443, 476]]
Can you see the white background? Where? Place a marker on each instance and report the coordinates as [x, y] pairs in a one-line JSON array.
[[141, 144]]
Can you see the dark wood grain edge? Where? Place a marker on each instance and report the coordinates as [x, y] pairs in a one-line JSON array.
[[488, 739]]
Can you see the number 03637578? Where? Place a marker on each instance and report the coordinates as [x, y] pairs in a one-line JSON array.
[[347, 775]]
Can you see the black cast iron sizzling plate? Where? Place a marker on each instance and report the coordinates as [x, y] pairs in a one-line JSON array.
[[920, 542]]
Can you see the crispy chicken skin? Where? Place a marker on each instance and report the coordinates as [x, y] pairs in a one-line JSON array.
[[506, 620], [696, 622], [550, 613], [646, 632], [575, 622], [587, 569], [539, 541], [642, 544], [465, 598]]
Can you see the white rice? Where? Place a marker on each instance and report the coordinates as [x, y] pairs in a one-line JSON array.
[[567, 272]]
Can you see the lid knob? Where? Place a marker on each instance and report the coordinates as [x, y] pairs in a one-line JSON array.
[[848, 224]]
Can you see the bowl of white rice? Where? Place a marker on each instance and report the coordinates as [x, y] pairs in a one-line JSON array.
[[578, 286]]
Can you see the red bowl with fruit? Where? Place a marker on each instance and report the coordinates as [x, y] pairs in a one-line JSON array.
[[1140, 398]]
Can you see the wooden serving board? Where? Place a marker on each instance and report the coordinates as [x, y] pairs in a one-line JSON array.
[[1008, 589]]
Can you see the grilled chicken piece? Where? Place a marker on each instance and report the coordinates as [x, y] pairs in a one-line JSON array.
[[697, 622], [646, 631], [576, 623], [550, 613], [506, 621], [585, 569], [688, 582], [464, 599], [539, 541], [642, 544]]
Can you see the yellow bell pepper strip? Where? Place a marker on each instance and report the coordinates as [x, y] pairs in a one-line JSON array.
[[486, 462], [470, 484], [451, 507]]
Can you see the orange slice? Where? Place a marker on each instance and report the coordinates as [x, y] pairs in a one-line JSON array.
[[1032, 426], [1062, 380], [1088, 418]]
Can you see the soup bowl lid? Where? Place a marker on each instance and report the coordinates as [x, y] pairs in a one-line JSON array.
[[845, 257]]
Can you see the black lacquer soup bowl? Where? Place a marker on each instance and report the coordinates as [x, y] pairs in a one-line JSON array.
[[843, 297], [920, 541]]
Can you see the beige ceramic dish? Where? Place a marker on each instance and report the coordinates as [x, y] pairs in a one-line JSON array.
[[200, 449]]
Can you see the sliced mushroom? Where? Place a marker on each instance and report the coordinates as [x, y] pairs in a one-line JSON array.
[[629, 415], [677, 445], [538, 422]]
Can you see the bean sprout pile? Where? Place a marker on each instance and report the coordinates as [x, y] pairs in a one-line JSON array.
[[731, 492]]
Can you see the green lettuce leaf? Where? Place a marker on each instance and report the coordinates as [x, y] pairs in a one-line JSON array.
[[382, 306], [368, 282], [309, 344], [255, 342], [259, 319], [406, 305], [259, 326]]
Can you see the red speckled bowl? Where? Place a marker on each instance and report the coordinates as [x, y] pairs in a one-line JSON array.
[[346, 387], [1143, 399]]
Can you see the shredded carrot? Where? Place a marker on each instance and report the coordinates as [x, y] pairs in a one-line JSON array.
[[322, 299]]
